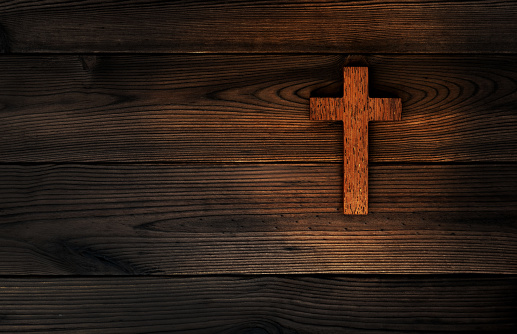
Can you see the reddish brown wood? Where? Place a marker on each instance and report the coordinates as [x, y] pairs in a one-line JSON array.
[[355, 109]]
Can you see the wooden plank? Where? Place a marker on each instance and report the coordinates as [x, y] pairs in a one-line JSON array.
[[259, 26], [239, 108], [277, 219], [260, 304]]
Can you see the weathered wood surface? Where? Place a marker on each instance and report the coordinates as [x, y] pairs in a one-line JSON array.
[[219, 108], [260, 304], [198, 219], [185, 192], [356, 109], [259, 26]]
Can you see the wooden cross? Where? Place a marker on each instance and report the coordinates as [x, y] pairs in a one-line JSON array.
[[355, 109]]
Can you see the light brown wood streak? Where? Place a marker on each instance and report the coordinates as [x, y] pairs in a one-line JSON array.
[[260, 26], [213, 108], [260, 304], [356, 109], [276, 219]]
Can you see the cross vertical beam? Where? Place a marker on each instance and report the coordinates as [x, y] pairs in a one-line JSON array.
[[355, 109]]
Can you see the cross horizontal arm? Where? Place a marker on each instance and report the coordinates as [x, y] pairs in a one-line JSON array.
[[326, 108], [385, 109]]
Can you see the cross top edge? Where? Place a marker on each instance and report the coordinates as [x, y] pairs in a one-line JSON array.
[[355, 100]]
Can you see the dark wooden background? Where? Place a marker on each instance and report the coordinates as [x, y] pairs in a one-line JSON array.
[[159, 171]]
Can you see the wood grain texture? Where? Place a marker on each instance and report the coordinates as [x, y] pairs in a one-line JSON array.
[[356, 109], [203, 172], [263, 304], [276, 219], [249, 108], [260, 26]]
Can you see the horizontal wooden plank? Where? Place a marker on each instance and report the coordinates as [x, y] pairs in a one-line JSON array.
[[249, 108], [260, 304], [198, 219], [279, 188], [259, 26]]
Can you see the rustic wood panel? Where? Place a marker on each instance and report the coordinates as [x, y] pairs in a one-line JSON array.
[[195, 219], [260, 304], [259, 26], [128, 164], [249, 108]]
